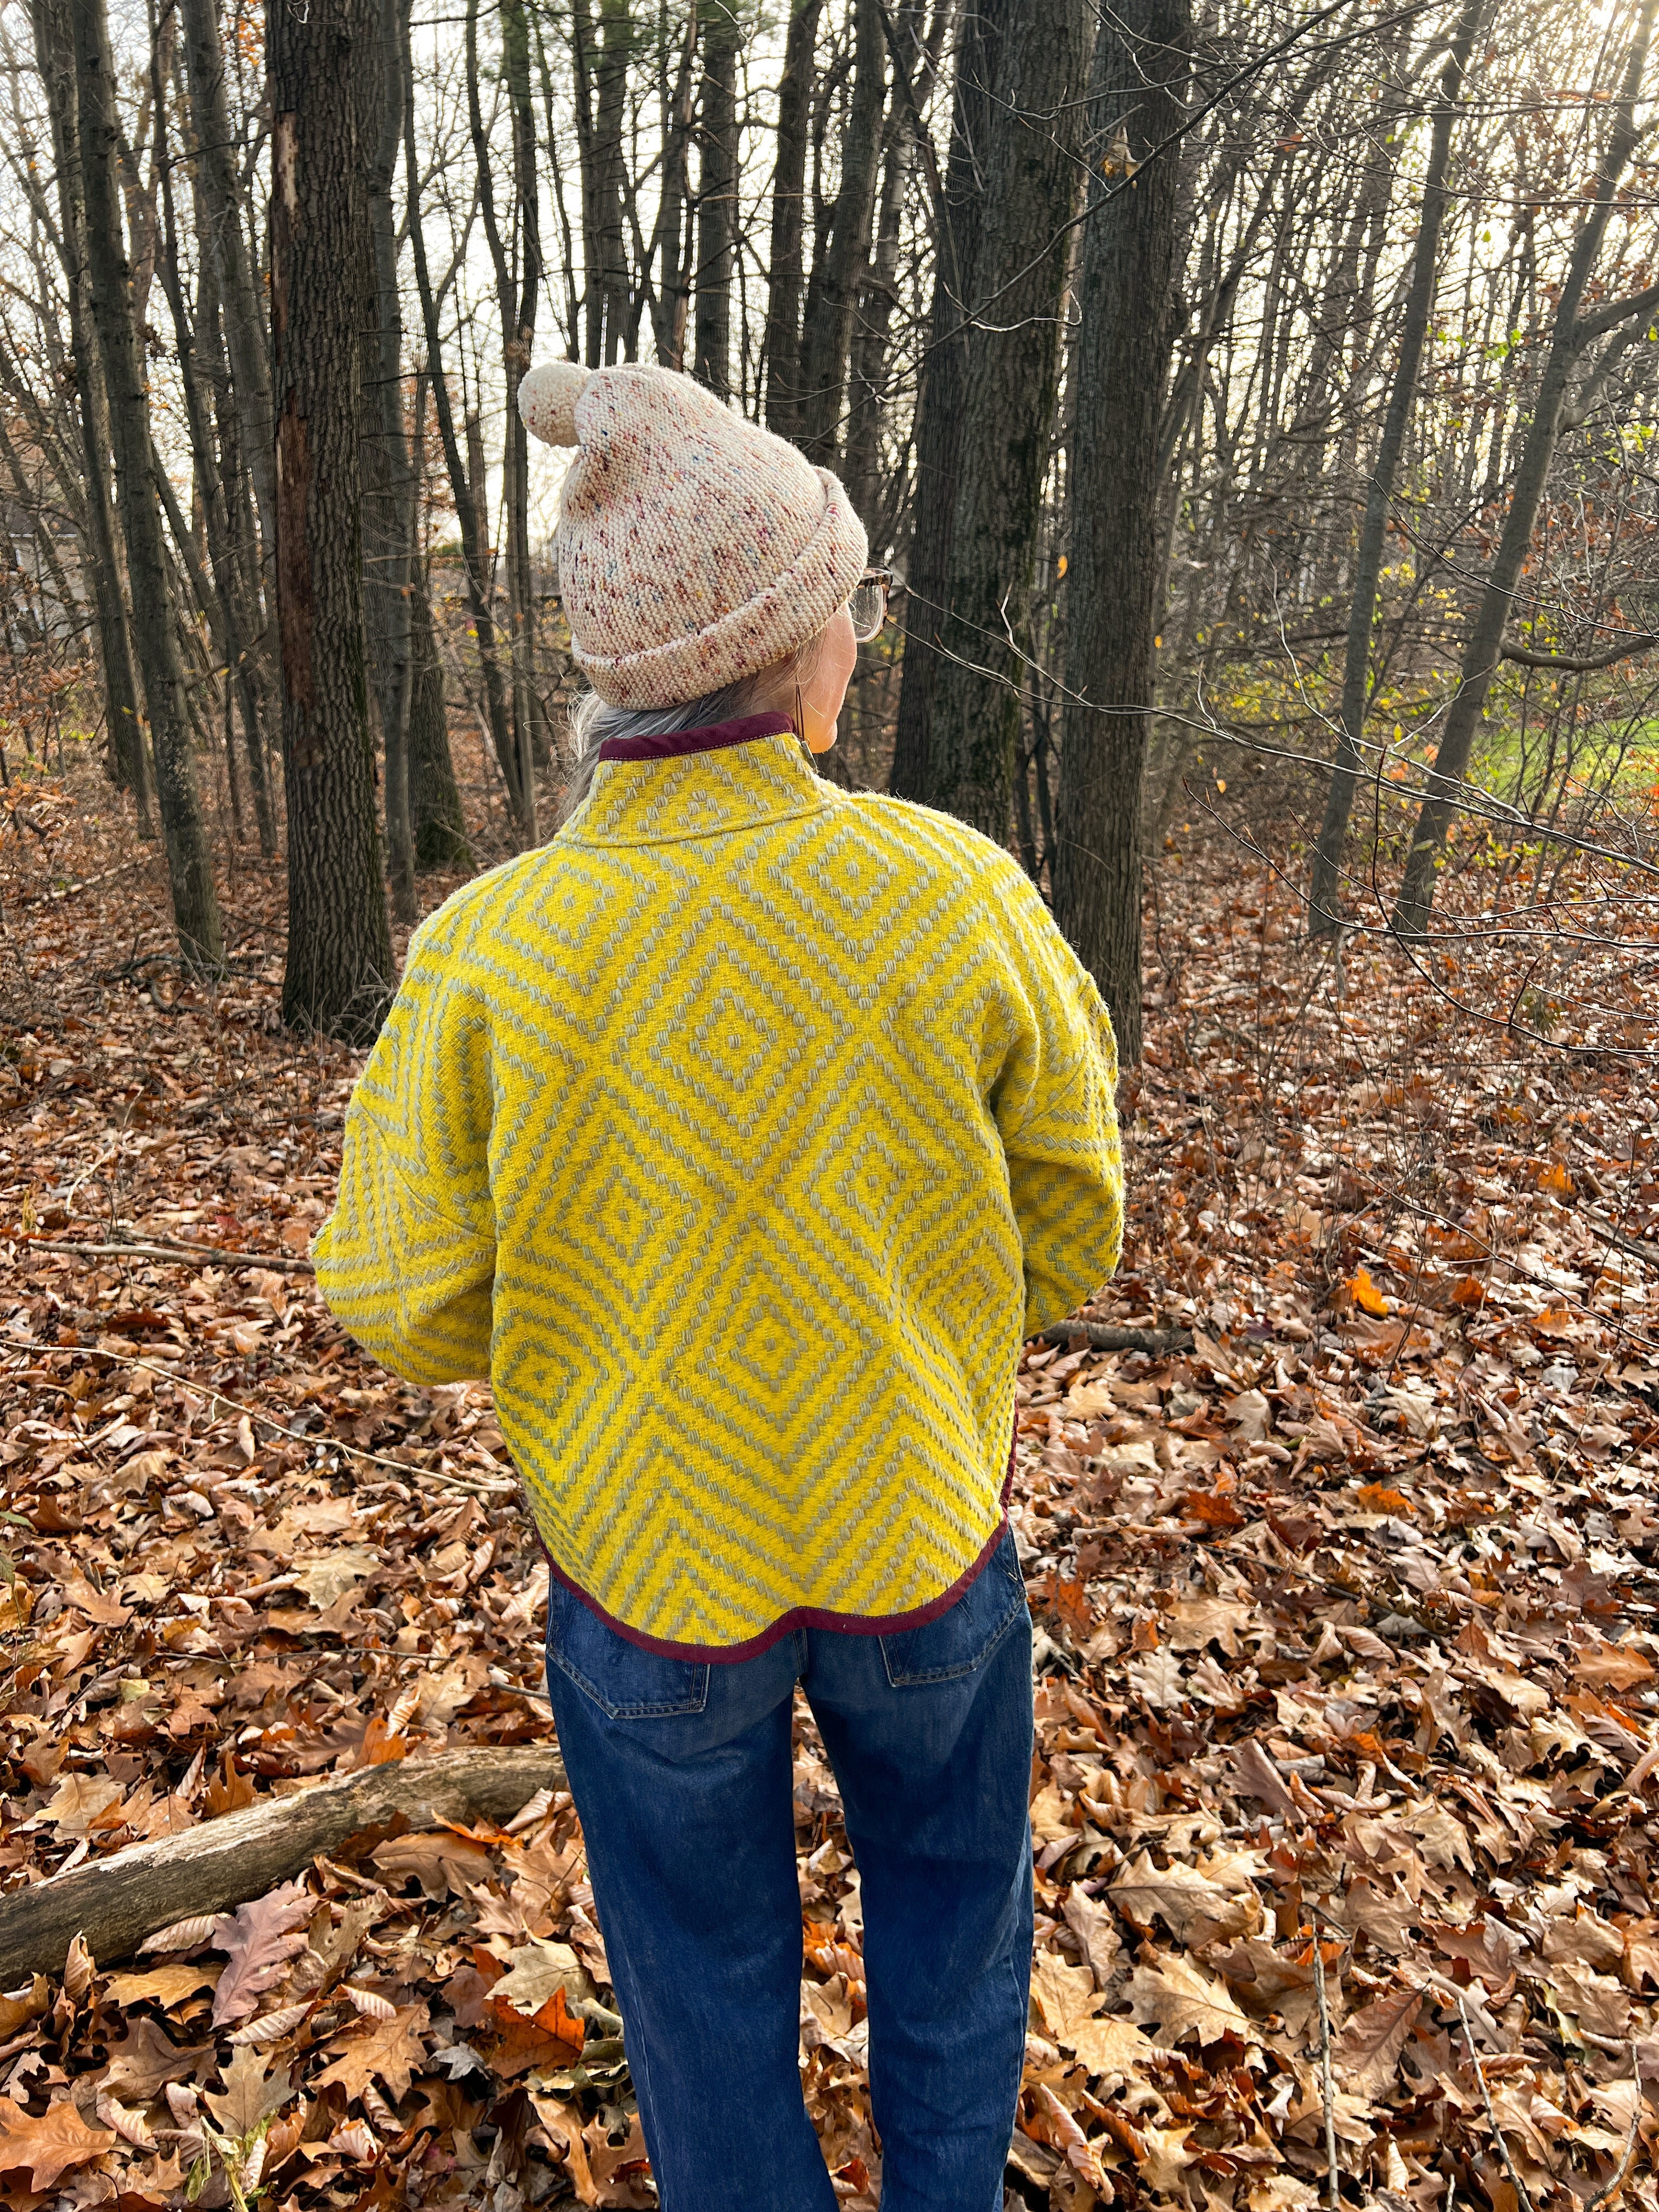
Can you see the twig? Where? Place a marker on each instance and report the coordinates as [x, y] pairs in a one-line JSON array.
[[86, 883], [1485, 2098], [1327, 2089], [1602, 2194], [479, 1486], [285, 1261], [1105, 1336]]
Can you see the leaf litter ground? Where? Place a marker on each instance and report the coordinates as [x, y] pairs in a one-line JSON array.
[[1346, 1620]]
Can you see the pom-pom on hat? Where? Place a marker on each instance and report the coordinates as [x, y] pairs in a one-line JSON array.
[[694, 549]]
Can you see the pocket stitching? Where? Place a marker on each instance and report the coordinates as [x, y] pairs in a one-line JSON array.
[[907, 1681], [697, 1704]]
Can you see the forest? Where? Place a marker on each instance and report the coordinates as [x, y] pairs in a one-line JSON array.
[[1257, 409]]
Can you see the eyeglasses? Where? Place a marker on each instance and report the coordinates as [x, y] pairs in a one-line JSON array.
[[868, 604]]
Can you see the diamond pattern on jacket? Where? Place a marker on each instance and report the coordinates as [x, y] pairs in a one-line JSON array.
[[740, 1134]]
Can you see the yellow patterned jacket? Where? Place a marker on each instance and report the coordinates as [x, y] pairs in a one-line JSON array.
[[740, 1134]]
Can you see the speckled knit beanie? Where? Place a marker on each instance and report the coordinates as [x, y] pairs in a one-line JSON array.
[[694, 549]]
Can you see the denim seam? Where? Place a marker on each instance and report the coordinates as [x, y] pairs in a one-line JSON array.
[[634, 1712], [932, 1674]]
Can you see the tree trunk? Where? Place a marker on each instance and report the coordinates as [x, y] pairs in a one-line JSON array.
[[216, 591], [340, 975], [826, 342], [717, 187], [440, 839], [1324, 899], [872, 324], [783, 391], [616, 33], [1128, 285], [53, 56], [190, 867], [1481, 654], [944, 380], [255, 674], [389, 506], [1007, 411], [239, 294], [670, 240], [518, 318], [466, 512]]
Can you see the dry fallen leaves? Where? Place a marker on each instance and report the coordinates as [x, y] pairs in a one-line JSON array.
[[1345, 1619]]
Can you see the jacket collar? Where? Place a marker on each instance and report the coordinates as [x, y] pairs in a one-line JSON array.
[[697, 783], [706, 740]]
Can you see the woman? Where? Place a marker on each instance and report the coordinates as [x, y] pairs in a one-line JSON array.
[[740, 1134]]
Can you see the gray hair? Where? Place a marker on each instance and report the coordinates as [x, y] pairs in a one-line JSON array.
[[592, 720]]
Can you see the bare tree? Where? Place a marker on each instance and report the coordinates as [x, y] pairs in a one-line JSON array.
[[190, 867], [339, 974]]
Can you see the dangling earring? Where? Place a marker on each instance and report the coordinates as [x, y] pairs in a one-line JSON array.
[[800, 718]]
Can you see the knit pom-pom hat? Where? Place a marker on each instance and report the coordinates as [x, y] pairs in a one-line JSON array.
[[694, 549]]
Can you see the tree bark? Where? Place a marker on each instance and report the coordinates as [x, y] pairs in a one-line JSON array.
[[671, 243], [115, 1903], [878, 299], [190, 867], [1007, 411], [239, 295], [340, 975], [784, 266], [466, 511], [1128, 285], [826, 342], [717, 187], [389, 508], [944, 380], [54, 58], [440, 839], [518, 320], [1571, 333], [1323, 902], [609, 312], [216, 591]]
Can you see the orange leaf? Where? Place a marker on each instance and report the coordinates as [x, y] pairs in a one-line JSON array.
[[1214, 1512], [1556, 1178], [1070, 1599], [1468, 1291], [1364, 1292], [380, 1747], [1377, 1497]]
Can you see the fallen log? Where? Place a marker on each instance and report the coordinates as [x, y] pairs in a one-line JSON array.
[[117, 1901], [1105, 1336]]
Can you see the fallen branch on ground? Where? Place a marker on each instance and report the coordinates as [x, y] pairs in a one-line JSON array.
[[277, 1261], [115, 1902], [1105, 1336]]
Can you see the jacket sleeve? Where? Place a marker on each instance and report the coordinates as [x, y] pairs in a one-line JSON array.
[[1056, 1109], [407, 1260]]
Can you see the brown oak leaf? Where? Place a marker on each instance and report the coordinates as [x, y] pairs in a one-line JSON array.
[[386, 2049], [252, 2092], [259, 1940], [1183, 2001], [52, 2143], [1366, 2055]]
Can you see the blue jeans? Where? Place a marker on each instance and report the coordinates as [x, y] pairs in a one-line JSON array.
[[683, 1775]]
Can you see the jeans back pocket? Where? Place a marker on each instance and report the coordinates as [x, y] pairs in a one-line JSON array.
[[624, 1680], [967, 1632]]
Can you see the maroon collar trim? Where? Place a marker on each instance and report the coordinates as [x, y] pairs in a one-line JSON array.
[[708, 740]]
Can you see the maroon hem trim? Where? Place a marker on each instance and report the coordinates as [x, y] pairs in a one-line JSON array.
[[709, 740], [850, 1624]]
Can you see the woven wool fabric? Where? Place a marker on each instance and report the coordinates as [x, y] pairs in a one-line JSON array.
[[739, 1133]]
